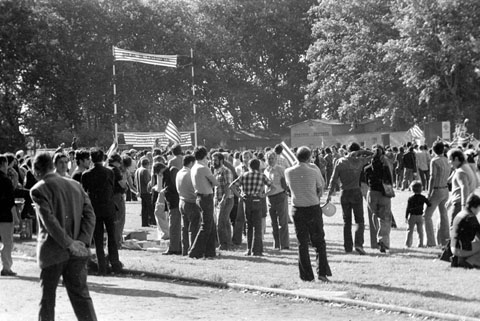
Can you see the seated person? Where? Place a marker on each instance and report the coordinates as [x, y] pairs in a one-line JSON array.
[[465, 234]]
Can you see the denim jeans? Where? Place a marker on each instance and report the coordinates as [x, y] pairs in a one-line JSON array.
[[109, 224], [204, 244], [191, 224], [278, 209], [239, 226], [6, 234], [224, 228], [414, 220], [175, 230], [424, 177], [74, 274], [352, 201], [253, 214], [309, 228], [438, 199], [407, 177], [380, 206]]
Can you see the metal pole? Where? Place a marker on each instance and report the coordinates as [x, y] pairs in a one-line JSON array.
[[194, 106], [114, 98]]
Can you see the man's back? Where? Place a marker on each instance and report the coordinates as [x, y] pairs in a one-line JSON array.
[[304, 182], [348, 170], [61, 199], [142, 178], [98, 182]]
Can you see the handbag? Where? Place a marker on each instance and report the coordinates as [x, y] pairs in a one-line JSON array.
[[388, 190]]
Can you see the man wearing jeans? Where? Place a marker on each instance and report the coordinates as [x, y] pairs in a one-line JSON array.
[[438, 196], [250, 187], [203, 182], [66, 224], [306, 185], [348, 170], [223, 199], [278, 202], [188, 208]]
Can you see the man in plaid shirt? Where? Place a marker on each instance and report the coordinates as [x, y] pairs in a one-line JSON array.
[[223, 198], [250, 187]]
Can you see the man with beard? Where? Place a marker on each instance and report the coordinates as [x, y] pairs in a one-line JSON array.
[[223, 200]]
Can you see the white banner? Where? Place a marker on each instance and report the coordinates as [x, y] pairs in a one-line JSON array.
[[446, 130], [148, 139]]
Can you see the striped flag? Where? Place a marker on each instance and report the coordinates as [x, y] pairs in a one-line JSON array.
[[113, 148], [172, 132], [145, 58], [416, 132], [288, 154]]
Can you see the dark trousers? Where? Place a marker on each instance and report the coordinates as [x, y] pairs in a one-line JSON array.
[[109, 224], [239, 225], [352, 201], [191, 224], [204, 244], [74, 273], [147, 209], [253, 213], [308, 223]]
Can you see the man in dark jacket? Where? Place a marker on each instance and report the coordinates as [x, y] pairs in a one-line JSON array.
[[7, 219], [410, 167], [98, 182], [66, 223]]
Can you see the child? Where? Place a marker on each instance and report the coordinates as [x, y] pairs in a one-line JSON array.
[[414, 213]]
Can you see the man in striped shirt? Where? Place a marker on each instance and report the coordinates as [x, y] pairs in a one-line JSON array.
[[438, 196], [250, 187], [306, 186]]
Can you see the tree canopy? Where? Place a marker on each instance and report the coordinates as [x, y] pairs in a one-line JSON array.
[[259, 65]]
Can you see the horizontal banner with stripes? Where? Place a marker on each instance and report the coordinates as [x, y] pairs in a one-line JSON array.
[[138, 139], [146, 58]]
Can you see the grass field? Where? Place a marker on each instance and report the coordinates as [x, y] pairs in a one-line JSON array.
[[412, 277]]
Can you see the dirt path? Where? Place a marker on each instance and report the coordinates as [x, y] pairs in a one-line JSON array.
[[128, 298]]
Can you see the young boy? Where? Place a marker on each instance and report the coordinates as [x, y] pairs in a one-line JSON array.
[[414, 213]]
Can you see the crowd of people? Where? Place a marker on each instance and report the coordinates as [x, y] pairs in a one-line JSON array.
[[204, 201]]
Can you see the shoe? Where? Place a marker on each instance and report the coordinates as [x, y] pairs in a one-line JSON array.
[[257, 254], [248, 253], [383, 247], [172, 253], [360, 250], [323, 279], [8, 273]]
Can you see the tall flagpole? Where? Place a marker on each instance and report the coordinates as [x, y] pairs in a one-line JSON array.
[[114, 97], [194, 106]]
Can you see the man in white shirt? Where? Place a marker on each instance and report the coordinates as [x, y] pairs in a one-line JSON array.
[[203, 182], [306, 185]]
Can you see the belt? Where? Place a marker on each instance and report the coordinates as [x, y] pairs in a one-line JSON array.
[[203, 195], [440, 187], [253, 196], [277, 194]]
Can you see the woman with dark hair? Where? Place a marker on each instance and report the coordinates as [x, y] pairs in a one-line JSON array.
[[465, 235], [378, 175]]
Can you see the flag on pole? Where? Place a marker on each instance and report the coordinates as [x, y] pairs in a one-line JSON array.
[[416, 132], [172, 132], [288, 154], [145, 58], [113, 148]]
